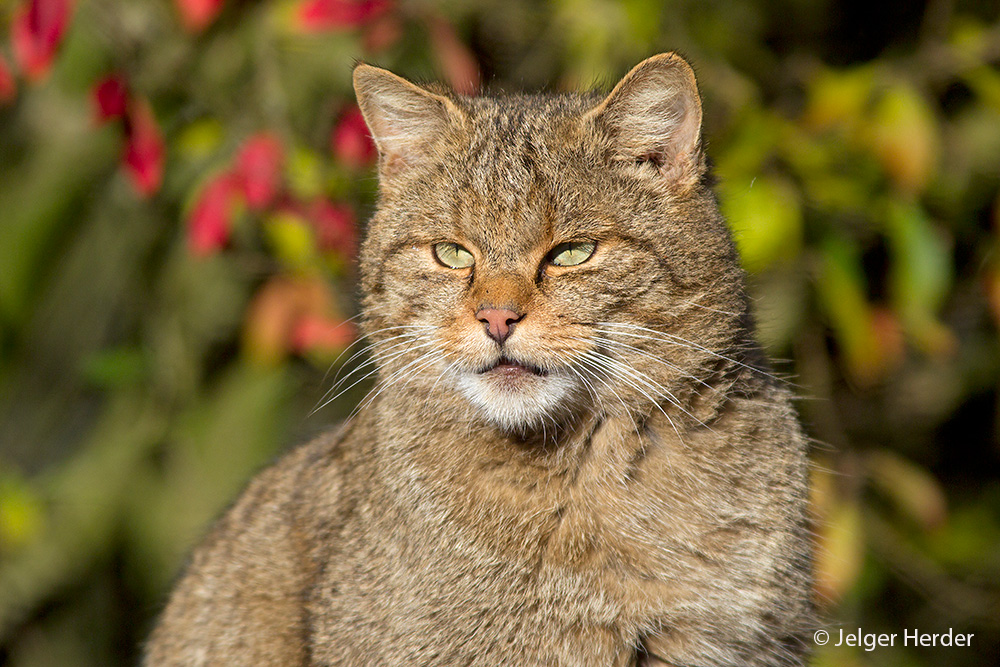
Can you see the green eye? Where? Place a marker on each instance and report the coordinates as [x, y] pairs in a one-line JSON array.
[[572, 253], [453, 255]]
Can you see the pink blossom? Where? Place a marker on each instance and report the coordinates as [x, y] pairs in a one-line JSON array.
[[8, 86], [211, 218], [317, 332], [258, 169], [454, 58], [334, 225], [36, 31], [350, 140], [144, 151], [198, 14], [320, 15], [110, 98], [382, 32]]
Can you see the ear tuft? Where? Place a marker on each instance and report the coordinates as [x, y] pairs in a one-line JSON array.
[[654, 115], [404, 119]]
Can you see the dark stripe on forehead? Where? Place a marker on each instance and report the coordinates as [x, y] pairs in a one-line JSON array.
[[506, 193], [502, 159]]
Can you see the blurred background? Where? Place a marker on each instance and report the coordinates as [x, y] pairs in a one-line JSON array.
[[182, 183]]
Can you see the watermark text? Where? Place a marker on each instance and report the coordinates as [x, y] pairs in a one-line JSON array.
[[870, 641]]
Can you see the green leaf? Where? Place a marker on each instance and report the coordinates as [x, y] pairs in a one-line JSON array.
[[200, 139], [910, 487], [22, 514], [305, 173], [766, 217], [903, 135], [969, 539], [292, 239], [751, 146], [116, 367], [920, 274], [841, 550], [841, 289], [838, 98], [985, 82]]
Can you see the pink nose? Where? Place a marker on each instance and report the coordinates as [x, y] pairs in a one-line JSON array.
[[499, 322]]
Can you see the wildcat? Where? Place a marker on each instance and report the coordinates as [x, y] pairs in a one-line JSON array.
[[574, 454]]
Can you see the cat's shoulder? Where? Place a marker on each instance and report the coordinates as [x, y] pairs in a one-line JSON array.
[[241, 594], [306, 485]]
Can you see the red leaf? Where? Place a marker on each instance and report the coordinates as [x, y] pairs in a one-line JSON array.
[[319, 333], [258, 169], [294, 315], [36, 31], [145, 151], [454, 58], [273, 312], [8, 86], [334, 224], [110, 98], [211, 218], [198, 14], [350, 141], [382, 32], [320, 15]]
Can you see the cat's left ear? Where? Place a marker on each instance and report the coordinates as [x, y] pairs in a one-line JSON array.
[[653, 115]]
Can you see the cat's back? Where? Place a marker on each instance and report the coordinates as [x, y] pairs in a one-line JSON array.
[[246, 586]]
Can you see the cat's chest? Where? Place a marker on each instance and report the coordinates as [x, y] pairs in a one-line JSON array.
[[613, 515], [460, 604], [505, 570], [594, 536]]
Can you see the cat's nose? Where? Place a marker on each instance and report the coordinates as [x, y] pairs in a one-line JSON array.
[[499, 322]]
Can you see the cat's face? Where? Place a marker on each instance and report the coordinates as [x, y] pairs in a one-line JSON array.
[[541, 256]]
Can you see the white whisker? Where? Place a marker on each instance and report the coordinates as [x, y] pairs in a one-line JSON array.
[[613, 366], [383, 384], [376, 364], [628, 368], [677, 340], [652, 357], [584, 359], [371, 347]]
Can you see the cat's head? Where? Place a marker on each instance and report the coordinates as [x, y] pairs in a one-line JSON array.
[[542, 255]]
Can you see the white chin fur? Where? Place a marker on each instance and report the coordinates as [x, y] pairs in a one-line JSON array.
[[517, 405]]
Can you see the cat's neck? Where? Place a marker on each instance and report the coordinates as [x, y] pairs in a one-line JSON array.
[[437, 419], [484, 477]]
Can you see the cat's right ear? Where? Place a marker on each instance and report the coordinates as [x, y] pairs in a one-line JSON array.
[[404, 119]]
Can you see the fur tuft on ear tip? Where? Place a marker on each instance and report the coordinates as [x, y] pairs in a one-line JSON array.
[[654, 115]]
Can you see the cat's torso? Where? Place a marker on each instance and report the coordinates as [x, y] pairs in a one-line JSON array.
[[581, 573]]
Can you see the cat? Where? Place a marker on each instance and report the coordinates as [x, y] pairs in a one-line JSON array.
[[574, 453]]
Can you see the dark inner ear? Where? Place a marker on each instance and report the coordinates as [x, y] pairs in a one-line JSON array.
[[654, 116], [404, 119]]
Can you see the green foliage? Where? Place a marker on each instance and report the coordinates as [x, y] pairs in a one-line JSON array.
[[161, 339]]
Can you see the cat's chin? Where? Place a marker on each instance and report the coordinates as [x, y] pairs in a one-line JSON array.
[[516, 397]]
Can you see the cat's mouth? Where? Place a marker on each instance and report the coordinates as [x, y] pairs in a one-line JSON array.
[[514, 394], [513, 368]]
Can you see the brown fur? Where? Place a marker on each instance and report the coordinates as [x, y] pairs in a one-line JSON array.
[[652, 510]]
